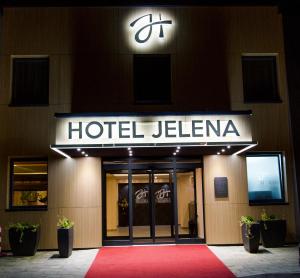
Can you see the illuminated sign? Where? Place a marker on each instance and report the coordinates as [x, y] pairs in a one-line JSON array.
[[157, 130], [148, 29], [144, 32]]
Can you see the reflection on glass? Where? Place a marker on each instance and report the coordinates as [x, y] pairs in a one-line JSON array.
[[30, 183], [141, 205], [264, 178], [117, 204], [187, 221], [162, 190]]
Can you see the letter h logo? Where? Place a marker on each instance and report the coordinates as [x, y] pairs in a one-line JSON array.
[[148, 27]]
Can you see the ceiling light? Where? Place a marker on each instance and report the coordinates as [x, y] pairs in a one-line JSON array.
[[174, 153], [78, 149], [129, 149], [228, 147], [86, 155], [177, 150], [130, 154], [178, 147], [82, 152], [218, 153], [223, 150]]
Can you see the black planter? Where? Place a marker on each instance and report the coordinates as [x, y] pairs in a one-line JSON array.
[[29, 242], [273, 232], [65, 242], [251, 242]]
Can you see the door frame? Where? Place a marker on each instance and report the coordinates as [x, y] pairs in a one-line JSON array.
[[130, 164], [151, 172]]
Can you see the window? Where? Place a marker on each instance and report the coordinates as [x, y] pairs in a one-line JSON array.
[[152, 79], [265, 178], [260, 79], [28, 183], [30, 81]]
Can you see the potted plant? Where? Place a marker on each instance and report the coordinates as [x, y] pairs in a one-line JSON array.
[[24, 238], [273, 230], [250, 233], [65, 236]]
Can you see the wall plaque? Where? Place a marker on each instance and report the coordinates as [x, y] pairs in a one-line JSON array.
[[221, 187]]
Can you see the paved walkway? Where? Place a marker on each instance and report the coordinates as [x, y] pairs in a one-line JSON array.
[[271, 262]]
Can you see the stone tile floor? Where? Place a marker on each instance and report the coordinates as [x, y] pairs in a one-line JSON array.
[[271, 262], [47, 264]]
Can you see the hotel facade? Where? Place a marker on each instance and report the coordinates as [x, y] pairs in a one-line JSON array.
[[150, 124]]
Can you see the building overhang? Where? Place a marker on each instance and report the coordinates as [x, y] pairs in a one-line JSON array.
[[233, 148], [153, 134]]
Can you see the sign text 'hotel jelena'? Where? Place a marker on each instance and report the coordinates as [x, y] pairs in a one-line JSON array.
[[152, 130]]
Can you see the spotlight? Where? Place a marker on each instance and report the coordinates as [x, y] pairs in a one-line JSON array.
[[177, 150], [178, 147], [218, 153], [129, 149], [78, 149], [228, 147], [223, 150], [86, 155], [174, 153], [83, 152], [130, 154]]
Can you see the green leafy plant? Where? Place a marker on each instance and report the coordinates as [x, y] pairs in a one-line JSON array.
[[266, 217], [22, 227], [248, 221], [65, 223]]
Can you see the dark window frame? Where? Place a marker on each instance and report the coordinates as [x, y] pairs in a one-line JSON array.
[[11, 183], [137, 101], [14, 101], [272, 98], [282, 174]]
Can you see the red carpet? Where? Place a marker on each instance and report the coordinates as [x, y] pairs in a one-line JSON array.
[[176, 261]]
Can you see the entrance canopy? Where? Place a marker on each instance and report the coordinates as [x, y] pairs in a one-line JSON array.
[[160, 134]]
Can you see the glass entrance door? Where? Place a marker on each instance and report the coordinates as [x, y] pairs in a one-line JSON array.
[[148, 201], [163, 204], [152, 200]]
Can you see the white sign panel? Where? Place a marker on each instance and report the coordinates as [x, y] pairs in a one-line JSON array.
[[152, 130]]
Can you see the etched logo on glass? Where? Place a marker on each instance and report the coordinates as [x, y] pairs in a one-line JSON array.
[[141, 196]]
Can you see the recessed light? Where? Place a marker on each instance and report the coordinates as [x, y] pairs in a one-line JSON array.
[[174, 153], [228, 147], [129, 149], [83, 152], [78, 149], [86, 154], [223, 150], [130, 154], [218, 153], [178, 147], [177, 150]]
